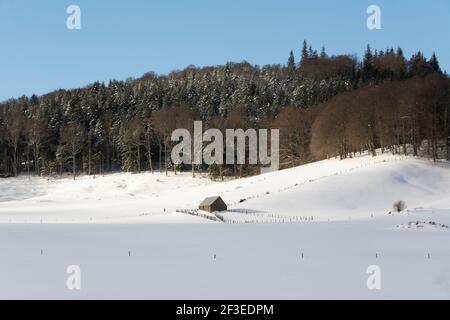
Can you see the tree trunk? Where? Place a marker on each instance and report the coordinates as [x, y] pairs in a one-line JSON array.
[[15, 161], [28, 160], [5, 154], [149, 155], [139, 158], [447, 130], [160, 157], [89, 154], [165, 157], [74, 169], [35, 159]]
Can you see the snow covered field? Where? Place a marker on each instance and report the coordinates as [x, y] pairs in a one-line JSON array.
[[327, 190], [123, 232]]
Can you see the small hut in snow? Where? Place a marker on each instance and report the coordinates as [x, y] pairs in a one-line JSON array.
[[212, 204]]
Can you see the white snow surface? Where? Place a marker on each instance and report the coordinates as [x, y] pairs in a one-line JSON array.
[[125, 234], [326, 190]]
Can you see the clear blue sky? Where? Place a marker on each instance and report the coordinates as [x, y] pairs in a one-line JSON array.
[[121, 39]]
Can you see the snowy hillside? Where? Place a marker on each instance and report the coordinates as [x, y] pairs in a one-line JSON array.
[[338, 215], [327, 190]]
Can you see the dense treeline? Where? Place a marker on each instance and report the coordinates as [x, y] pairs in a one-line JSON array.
[[411, 117], [323, 105]]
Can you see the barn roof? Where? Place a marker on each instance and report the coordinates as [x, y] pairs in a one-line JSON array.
[[209, 201]]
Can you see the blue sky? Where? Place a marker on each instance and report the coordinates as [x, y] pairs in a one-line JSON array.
[[121, 39]]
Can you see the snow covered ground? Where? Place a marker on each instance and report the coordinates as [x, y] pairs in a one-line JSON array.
[[252, 261], [327, 190], [125, 234]]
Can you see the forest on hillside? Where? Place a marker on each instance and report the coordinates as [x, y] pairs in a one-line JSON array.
[[324, 105]]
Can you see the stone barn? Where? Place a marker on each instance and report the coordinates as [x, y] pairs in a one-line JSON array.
[[212, 204]]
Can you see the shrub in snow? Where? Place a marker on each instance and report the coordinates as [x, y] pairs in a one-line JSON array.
[[399, 206]]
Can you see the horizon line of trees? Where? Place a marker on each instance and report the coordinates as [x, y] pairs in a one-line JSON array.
[[323, 105]]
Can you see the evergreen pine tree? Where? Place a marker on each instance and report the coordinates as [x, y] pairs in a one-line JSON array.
[[434, 64], [368, 73], [323, 54], [401, 64], [291, 62], [304, 54], [417, 65]]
